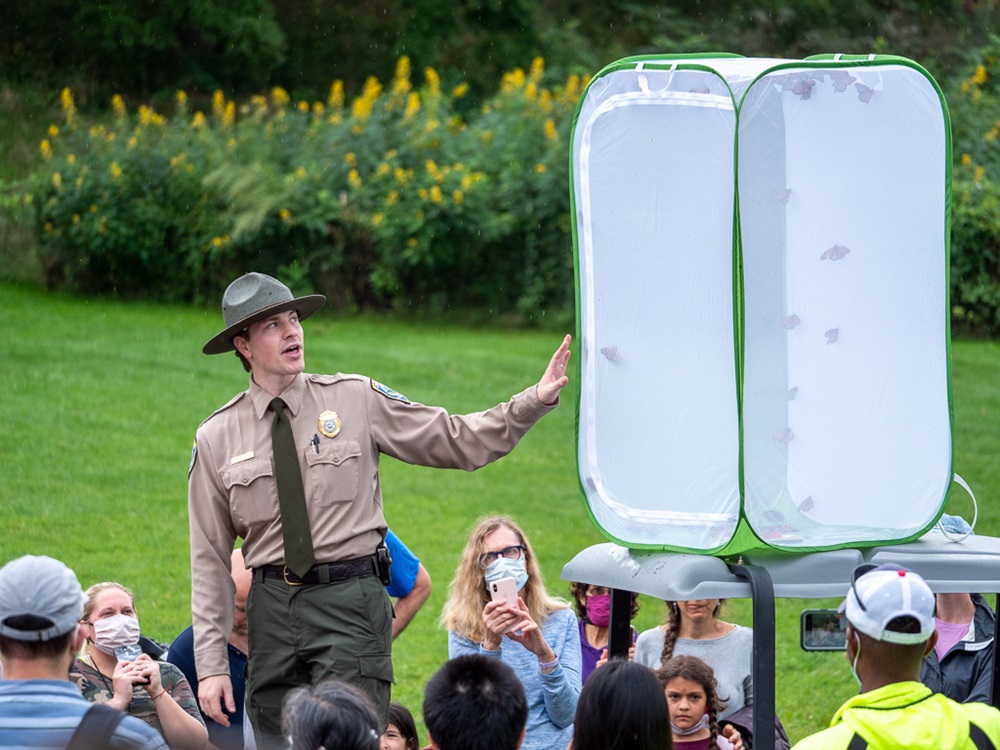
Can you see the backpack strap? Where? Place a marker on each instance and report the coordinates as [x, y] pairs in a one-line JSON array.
[[95, 728], [979, 738], [977, 735]]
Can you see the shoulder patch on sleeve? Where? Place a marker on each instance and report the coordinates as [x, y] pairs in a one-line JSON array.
[[388, 392], [194, 455]]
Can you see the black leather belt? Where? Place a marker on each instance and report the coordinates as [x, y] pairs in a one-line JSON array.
[[323, 572]]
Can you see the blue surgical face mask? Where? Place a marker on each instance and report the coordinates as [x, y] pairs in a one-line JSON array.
[[504, 568]]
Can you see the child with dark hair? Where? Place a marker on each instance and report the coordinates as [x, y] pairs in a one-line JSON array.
[[332, 715], [692, 699], [401, 732], [621, 707]]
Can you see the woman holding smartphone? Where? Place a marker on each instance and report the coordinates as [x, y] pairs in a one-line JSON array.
[[537, 636], [112, 669]]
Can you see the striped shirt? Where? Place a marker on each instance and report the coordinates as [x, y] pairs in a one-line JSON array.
[[44, 714]]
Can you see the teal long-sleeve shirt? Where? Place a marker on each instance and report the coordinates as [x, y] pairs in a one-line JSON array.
[[551, 697]]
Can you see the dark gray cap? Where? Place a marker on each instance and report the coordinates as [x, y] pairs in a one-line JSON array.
[[252, 297], [40, 587]]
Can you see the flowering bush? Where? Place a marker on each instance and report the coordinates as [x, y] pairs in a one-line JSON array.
[[391, 199]]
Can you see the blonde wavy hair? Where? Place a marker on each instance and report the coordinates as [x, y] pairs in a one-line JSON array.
[[467, 594], [88, 608]]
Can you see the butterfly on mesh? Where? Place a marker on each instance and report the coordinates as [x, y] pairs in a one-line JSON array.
[[793, 392], [807, 505], [700, 90], [864, 92], [613, 353], [841, 79], [791, 321], [784, 435], [835, 253], [782, 196], [832, 335], [800, 86]]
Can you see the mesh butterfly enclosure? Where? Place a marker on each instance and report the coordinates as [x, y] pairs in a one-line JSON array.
[[762, 256]]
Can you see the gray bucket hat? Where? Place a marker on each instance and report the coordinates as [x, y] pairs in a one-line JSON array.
[[252, 297], [41, 587]]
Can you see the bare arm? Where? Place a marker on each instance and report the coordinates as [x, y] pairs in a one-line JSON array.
[[408, 606]]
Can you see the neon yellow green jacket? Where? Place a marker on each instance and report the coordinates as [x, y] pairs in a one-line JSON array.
[[903, 716]]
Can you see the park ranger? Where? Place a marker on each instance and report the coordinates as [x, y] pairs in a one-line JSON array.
[[291, 466]]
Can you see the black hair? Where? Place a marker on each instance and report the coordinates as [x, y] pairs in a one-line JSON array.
[[34, 649], [578, 589], [400, 716], [332, 715], [475, 702], [622, 707]]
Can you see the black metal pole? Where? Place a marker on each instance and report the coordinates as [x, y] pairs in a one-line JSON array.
[[620, 632], [762, 591]]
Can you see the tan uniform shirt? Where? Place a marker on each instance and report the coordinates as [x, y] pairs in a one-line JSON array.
[[232, 492]]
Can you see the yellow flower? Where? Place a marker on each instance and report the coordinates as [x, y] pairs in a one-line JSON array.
[[284, 214], [279, 96], [433, 81], [115, 170], [531, 90], [540, 168], [401, 175], [466, 182], [391, 154], [48, 227], [401, 81], [422, 194], [300, 172], [460, 90], [303, 105], [217, 242], [198, 121], [45, 148], [979, 77], [537, 69], [377, 218], [96, 131], [336, 96], [76, 218], [354, 179], [392, 198], [118, 105], [53, 131], [182, 98], [318, 108], [411, 242], [229, 115], [550, 130], [412, 105], [68, 105], [350, 159], [458, 196], [966, 160], [436, 196], [980, 171], [93, 208], [431, 166], [218, 104], [512, 80], [145, 115], [71, 159], [132, 142], [176, 161], [56, 180], [383, 169], [362, 107]]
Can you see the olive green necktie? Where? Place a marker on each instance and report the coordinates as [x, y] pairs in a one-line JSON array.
[[299, 555]]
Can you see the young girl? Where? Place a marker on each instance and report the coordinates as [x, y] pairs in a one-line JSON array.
[[691, 690]]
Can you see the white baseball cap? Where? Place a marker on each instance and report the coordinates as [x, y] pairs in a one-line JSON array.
[[879, 594], [43, 588]]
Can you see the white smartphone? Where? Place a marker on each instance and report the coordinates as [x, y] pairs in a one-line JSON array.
[[505, 590]]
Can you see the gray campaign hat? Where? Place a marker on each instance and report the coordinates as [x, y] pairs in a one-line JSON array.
[[40, 587], [252, 297]]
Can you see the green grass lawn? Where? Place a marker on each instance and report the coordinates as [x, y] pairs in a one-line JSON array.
[[101, 400]]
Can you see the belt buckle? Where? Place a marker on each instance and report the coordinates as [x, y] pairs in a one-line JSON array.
[[285, 571]]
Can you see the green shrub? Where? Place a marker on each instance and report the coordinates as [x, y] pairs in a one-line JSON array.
[[392, 200]]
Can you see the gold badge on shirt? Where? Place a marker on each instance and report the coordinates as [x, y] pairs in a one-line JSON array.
[[329, 424]]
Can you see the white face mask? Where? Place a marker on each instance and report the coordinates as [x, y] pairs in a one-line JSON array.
[[117, 630]]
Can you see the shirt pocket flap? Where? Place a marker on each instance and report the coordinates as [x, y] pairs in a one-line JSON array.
[[334, 452], [376, 666], [245, 473]]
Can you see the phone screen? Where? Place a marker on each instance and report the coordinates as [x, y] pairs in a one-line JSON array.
[[823, 630]]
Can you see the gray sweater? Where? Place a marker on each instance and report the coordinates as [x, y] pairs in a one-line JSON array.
[[730, 657]]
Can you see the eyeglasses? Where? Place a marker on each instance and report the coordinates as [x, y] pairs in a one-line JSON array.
[[514, 552]]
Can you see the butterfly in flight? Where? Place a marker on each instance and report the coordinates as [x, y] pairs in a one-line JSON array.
[[835, 253], [864, 92], [791, 321], [841, 80]]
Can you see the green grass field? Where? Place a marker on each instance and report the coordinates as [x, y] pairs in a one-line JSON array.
[[101, 400]]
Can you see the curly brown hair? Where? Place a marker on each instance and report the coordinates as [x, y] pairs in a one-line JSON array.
[[578, 591], [694, 669]]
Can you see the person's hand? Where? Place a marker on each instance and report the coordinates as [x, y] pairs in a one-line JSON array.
[[500, 618], [214, 694], [604, 657], [554, 379], [149, 673], [732, 734], [529, 635], [123, 678]]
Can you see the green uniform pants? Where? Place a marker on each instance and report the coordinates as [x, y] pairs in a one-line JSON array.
[[301, 635]]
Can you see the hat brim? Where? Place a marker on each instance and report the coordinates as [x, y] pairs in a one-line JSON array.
[[222, 342]]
